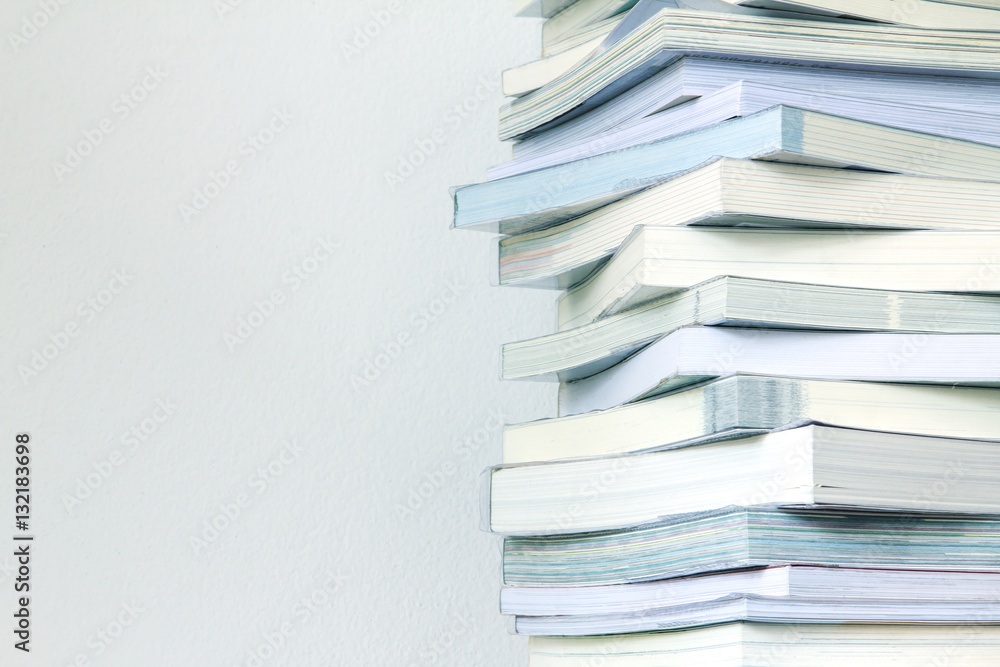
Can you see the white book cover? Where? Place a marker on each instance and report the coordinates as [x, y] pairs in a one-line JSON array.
[[657, 261], [809, 466], [738, 405], [693, 354]]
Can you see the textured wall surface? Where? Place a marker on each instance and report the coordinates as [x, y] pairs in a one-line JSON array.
[[259, 373]]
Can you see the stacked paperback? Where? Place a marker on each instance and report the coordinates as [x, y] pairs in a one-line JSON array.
[[775, 229]]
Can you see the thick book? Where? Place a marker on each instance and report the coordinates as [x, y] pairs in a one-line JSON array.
[[737, 537], [692, 77], [742, 405], [781, 134], [748, 193], [675, 33], [744, 98], [791, 581], [592, 37], [767, 609], [580, 352], [656, 261], [778, 645], [613, 19], [808, 466], [695, 354], [518, 81]]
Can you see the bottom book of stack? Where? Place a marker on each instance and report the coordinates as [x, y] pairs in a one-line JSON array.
[[811, 545], [779, 645]]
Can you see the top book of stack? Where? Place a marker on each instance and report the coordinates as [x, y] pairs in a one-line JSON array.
[[674, 33]]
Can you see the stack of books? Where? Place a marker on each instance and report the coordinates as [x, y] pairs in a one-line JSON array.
[[775, 226]]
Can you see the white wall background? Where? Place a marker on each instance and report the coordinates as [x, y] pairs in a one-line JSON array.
[[115, 516]]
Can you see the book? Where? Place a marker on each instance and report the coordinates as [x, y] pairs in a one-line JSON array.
[[522, 80], [675, 33], [579, 15], [644, 10], [690, 77], [778, 645], [916, 13], [731, 538], [792, 581], [766, 609], [747, 193], [742, 405], [655, 261], [807, 466], [743, 98], [590, 38], [776, 225], [580, 352], [780, 133], [694, 354]]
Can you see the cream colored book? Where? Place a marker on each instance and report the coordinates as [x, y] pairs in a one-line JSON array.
[[655, 261], [748, 193], [778, 645], [742, 405], [526, 78], [810, 467]]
